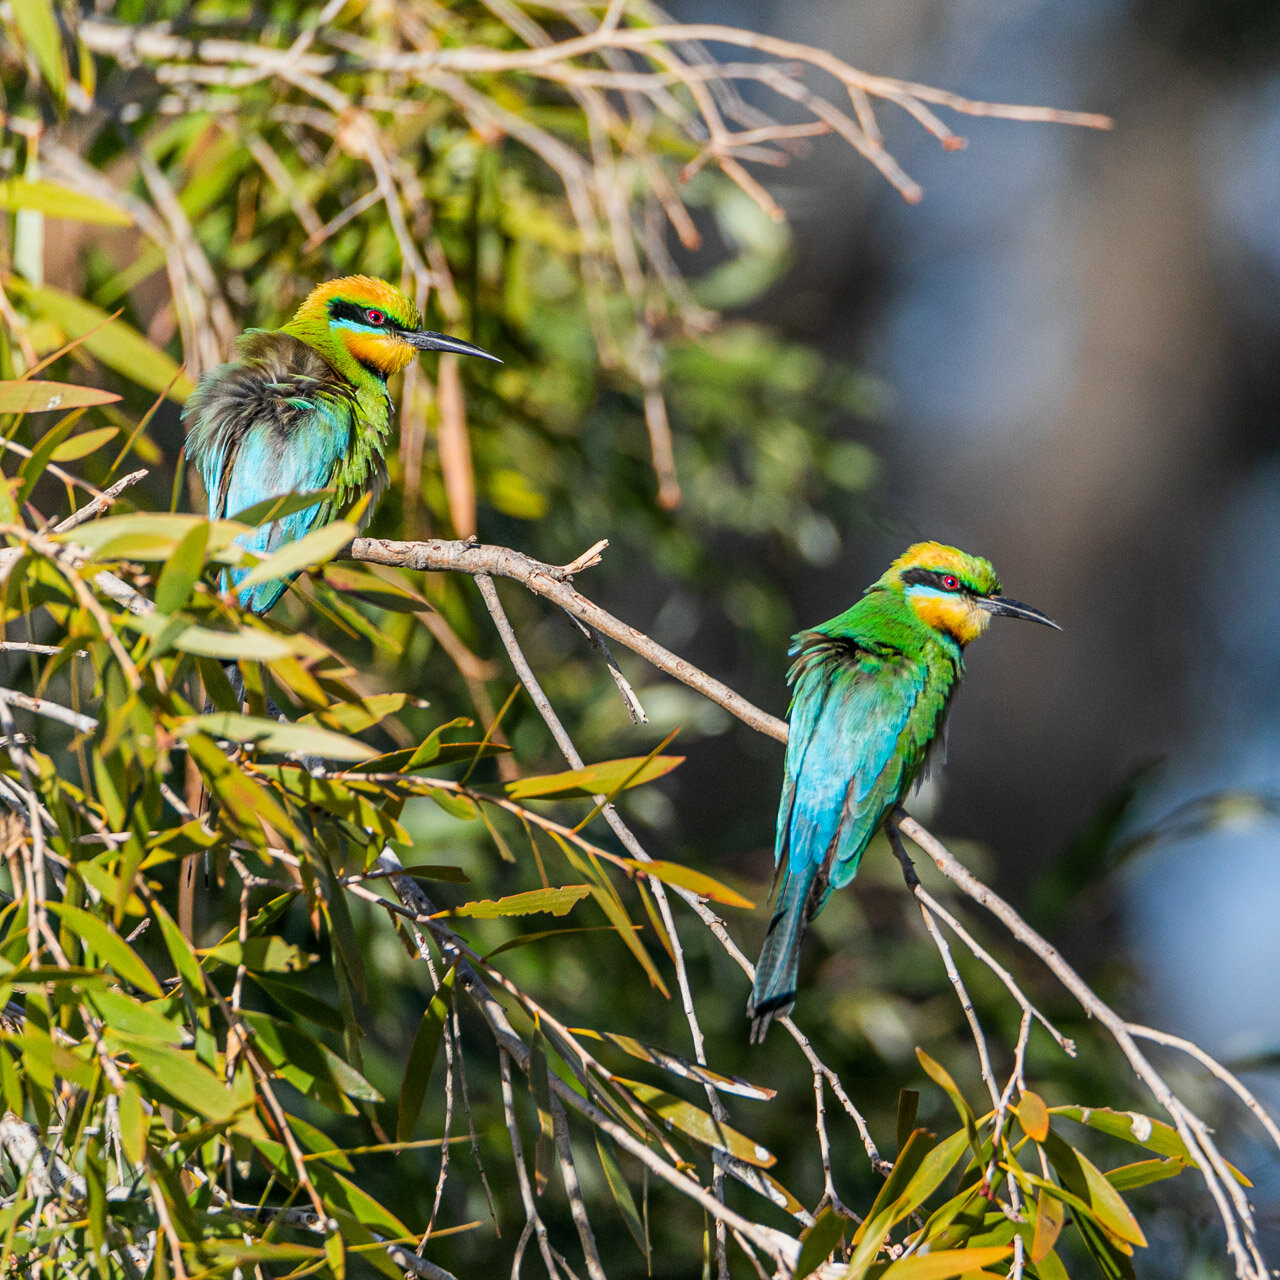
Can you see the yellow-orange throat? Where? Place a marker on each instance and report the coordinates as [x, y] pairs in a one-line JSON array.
[[957, 616]]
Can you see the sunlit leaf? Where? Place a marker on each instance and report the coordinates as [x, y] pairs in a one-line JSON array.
[[1032, 1115], [118, 345], [676, 1113], [698, 882], [357, 716], [38, 27], [1143, 1172], [677, 1065], [315, 548], [182, 569], [56, 201], [270, 954], [44, 397], [556, 902], [944, 1264], [275, 735], [111, 948], [941, 1076], [595, 779]]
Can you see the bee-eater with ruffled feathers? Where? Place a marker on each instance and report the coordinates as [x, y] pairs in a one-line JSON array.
[[871, 691], [305, 408]]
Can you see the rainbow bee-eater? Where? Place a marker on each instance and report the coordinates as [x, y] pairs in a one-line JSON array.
[[305, 408], [871, 691]]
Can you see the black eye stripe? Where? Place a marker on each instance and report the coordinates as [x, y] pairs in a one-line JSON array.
[[934, 578], [342, 309]]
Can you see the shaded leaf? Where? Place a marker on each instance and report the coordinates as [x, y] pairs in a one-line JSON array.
[[820, 1241], [627, 932], [1080, 1176], [1050, 1215], [38, 28], [374, 589], [277, 508], [621, 1193], [422, 1057], [311, 1067]]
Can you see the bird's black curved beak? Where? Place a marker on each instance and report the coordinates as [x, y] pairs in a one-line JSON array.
[[425, 340], [1003, 607]]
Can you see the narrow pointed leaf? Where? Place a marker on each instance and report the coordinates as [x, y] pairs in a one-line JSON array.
[[1140, 1174], [820, 1241], [182, 570], [358, 715], [1082, 1177], [945, 1264], [81, 446], [679, 1066], [676, 1113], [422, 1057], [119, 346], [554, 901], [33, 396], [56, 201], [1142, 1130], [595, 779], [698, 882], [111, 948], [621, 1193], [626, 931], [318, 546], [1050, 1215], [275, 735]]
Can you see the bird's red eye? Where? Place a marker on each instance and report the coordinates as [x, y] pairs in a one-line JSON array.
[[374, 317], [951, 582]]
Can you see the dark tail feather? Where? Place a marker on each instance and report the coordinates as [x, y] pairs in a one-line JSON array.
[[774, 992]]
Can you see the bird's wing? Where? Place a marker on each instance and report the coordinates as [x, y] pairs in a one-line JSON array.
[[278, 422], [855, 744]]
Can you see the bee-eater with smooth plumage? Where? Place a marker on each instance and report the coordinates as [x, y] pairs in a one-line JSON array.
[[305, 408], [871, 691]]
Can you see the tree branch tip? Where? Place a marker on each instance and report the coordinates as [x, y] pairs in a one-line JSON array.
[[591, 556]]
